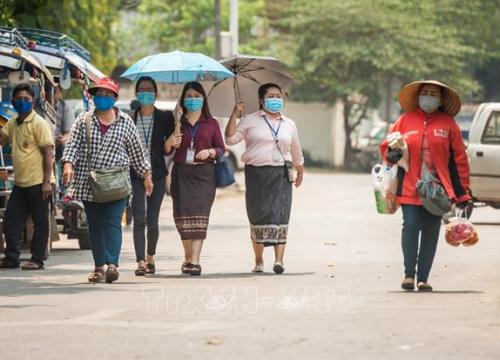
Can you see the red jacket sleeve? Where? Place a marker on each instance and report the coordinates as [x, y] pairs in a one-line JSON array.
[[384, 145], [461, 163]]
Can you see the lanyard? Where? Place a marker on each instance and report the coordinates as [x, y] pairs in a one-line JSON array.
[[146, 134], [274, 132], [192, 132]]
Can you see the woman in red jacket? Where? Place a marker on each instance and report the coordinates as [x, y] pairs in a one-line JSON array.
[[433, 137]]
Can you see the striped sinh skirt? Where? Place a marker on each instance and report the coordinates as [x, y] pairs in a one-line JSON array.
[[268, 202], [193, 193]]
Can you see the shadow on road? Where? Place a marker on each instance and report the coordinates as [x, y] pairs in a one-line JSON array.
[[437, 292], [229, 275], [27, 286]]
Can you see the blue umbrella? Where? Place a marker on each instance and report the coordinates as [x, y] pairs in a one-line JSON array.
[[178, 67]]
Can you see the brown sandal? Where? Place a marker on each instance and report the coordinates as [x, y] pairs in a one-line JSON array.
[[111, 274], [96, 276], [195, 270], [186, 268]]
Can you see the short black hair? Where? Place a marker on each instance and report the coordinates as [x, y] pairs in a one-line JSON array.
[[146, 78], [23, 87], [263, 91]]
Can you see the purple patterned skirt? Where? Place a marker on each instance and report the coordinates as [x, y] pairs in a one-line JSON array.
[[193, 193]]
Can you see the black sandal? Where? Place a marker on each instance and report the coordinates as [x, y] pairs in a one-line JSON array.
[[186, 268], [9, 263], [141, 270], [195, 270], [96, 276], [151, 268]]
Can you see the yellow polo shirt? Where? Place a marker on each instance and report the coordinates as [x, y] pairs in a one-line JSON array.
[[27, 140]]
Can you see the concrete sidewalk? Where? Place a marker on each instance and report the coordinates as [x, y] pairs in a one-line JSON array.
[[338, 299]]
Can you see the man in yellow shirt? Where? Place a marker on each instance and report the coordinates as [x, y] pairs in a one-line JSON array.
[[32, 141]]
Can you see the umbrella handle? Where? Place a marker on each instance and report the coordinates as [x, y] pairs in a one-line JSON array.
[[177, 118], [237, 89]]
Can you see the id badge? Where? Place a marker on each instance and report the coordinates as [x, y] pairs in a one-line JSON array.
[[277, 155], [190, 156]]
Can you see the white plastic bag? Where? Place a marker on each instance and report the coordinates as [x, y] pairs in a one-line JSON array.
[[385, 184]]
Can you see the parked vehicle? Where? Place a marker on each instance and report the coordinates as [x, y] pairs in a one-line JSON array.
[[484, 155], [19, 65], [464, 119]]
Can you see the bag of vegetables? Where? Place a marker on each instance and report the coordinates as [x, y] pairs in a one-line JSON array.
[[460, 230]]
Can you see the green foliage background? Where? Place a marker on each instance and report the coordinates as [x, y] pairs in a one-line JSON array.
[[89, 22]]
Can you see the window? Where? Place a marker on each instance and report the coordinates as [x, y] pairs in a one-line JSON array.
[[491, 134]]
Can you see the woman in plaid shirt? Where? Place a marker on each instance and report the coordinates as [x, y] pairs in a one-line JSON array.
[[115, 142]]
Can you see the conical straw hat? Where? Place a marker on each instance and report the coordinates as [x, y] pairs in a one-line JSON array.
[[408, 97]]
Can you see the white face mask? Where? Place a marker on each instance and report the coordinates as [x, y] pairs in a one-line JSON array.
[[428, 103]]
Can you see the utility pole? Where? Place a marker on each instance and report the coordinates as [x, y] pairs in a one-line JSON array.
[[234, 26], [217, 29]]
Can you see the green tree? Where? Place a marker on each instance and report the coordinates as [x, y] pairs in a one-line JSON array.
[[91, 23], [487, 69], [347, 49], [188, 25]]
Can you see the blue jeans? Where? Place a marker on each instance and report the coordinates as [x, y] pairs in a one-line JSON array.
[[105, 230], [419, 224]]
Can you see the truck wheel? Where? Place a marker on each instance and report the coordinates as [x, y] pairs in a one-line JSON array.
[[83, 240]]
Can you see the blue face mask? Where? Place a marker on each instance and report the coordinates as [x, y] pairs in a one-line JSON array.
[[146, 98], [273, 105], [104, 103], [22, 106], [193, 104]]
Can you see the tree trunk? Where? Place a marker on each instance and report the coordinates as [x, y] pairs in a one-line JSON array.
[[348, 155], [217, 28]]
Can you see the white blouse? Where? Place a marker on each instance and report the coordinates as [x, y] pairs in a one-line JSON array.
[[261, 149]]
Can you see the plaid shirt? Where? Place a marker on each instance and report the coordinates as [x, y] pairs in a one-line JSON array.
[[120, 146]]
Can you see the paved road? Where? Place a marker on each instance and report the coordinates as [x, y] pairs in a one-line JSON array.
[[339, 297]]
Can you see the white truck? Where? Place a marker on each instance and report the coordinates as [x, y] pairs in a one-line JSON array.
[[484, 155]]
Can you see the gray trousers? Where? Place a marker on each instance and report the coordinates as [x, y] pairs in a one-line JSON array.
[[146, 211]]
